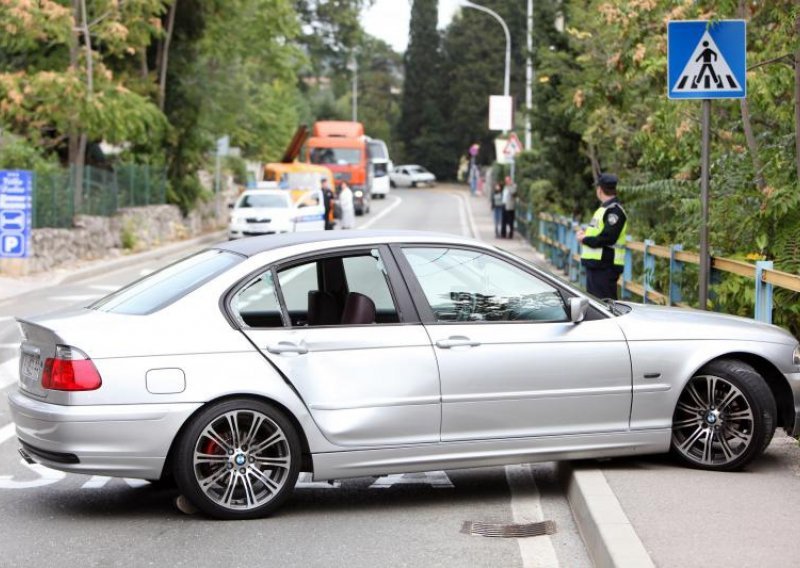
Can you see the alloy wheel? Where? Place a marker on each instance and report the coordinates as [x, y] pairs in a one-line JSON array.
[[242, 459], [713, 423]]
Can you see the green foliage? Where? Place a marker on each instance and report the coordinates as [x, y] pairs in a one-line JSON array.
[[422, 126]]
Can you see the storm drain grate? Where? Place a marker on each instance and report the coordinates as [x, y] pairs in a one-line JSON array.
[[508, 530]]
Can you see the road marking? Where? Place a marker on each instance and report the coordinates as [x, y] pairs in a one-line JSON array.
[[45, 476], [76, 298], [383, 213], [305, 481], [98, 481], [104, 288], [8, 372], [7, 432], [527, 508], [436, 479]]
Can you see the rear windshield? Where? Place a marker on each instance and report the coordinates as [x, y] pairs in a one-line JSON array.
[[272, 201], [167, 285]]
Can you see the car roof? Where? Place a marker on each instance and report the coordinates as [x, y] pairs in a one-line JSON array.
[[282, 192], [252, 246]]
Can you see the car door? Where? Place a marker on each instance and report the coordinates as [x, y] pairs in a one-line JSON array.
[[511, 363], [402, 178], [370, 380]]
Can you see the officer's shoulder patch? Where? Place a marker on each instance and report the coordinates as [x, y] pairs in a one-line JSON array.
[[613, 218]]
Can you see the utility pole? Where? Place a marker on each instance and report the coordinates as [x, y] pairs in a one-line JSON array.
[[529, 78], [354, 68]]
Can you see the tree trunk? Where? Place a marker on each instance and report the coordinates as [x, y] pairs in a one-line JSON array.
[[144, 69], [747, 125], [797, 99], [164, 56], [77, 141], [596, 171]]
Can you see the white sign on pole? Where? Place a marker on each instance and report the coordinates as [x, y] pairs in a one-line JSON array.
[[501, 112]]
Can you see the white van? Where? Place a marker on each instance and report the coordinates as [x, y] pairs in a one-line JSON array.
[[379, 174]]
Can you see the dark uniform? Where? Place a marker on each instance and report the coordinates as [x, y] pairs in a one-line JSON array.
[[603, 250], [327, 202]]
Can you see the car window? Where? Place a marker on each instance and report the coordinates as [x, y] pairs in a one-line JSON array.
[[467, 286], [338, 156], [315, 293], [273, 201], [256, 305], [162, 288]]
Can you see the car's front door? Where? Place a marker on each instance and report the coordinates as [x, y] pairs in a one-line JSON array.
[[511, 363], [350, 343]]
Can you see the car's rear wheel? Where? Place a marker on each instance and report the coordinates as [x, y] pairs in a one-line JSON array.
[[238, 459], [725, 417], [413, 184]]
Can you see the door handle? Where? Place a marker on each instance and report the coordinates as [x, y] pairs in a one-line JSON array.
[[284, 347], [456, 341]]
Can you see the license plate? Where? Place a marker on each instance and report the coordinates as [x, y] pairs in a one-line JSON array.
[[30, 368]]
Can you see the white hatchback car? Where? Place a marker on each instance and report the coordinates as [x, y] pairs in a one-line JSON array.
[[269, 212], [411, 176]]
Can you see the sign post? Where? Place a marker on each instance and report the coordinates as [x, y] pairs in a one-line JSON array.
[[16, 213], [706, 60]]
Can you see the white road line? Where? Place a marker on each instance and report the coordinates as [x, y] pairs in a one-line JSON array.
[[7, 432], [104, 288], [383, 213], [527, 508], [8, 372], [466, 211], [75, 298]]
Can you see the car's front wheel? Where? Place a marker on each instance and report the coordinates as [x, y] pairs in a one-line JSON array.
[[238, 459], [725, 417]]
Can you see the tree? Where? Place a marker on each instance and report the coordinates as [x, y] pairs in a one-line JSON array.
[[422, 127]]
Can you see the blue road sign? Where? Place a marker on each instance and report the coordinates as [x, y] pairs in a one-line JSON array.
[[707, 60], [16, 213]]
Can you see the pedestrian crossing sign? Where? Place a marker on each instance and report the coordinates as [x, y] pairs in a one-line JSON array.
[[706, 60]]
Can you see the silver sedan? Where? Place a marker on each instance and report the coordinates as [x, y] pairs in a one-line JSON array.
[[354, 354]]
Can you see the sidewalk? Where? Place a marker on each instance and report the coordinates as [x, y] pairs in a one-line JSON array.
[[681, 517]]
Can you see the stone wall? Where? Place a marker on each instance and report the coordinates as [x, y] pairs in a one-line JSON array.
[[130, 230]]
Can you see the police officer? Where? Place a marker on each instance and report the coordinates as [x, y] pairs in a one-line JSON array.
[[327, 202], [603, 250]]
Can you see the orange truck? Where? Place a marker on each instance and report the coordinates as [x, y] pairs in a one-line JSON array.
[[342, 147]]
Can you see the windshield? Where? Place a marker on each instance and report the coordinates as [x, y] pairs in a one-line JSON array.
[[377, 150], [270, 200], [167, 285], [337, 156], [417, 170]]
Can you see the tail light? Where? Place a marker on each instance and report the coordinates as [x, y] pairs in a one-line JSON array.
[[70, 370]]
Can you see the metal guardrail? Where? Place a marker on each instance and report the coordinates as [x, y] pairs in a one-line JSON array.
[[556, 238]]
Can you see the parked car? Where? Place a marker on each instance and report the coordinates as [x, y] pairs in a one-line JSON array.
[[411, 176], [273, 211], [379, 176], [351, 354]]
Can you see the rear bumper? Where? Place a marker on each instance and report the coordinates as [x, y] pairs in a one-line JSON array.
[[113, 440]]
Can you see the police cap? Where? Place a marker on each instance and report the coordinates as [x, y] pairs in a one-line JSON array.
[[607, 181]]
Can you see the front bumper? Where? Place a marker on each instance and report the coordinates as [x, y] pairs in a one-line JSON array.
[[113, 440], [794, 382]]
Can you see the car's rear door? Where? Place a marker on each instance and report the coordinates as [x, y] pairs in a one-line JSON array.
[[511, 364], [366, 383]]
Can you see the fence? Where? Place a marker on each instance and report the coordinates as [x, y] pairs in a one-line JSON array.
[[104, 191], [556, 239]]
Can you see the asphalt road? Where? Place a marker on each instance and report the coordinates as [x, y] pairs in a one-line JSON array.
[[48, 518]]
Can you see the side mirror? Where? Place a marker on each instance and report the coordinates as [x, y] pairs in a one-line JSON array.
[[577, 309]]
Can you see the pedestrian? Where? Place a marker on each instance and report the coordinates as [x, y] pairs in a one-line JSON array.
[[509, 208], [327, 202], [603, 250], [497, 208], [348, 208]]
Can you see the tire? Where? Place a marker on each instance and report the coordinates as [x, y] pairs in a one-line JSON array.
[[413, 184], [392, 184], [724, 419], [233, 481]]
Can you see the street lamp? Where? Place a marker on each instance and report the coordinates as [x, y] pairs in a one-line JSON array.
[[496, 16]]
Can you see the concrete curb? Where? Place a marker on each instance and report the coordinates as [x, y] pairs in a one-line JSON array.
[[609, 536], [130, 260]]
